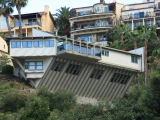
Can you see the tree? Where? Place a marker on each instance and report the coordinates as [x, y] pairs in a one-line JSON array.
[[2, 35], [62, 21], [6, 8], [4, 60], [19, 4]]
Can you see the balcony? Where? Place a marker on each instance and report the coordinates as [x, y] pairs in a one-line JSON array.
[[33, 23], [78, 14], [78, 50], [138, 16]]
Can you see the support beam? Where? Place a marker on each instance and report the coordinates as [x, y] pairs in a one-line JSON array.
[[21, 66]]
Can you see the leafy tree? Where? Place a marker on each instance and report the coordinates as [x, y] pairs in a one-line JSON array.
[[2, 35], [62, 21], [19, 4], [6, 8], [4, 60]]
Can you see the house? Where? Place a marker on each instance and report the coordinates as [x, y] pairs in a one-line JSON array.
[[146, 13], [93, 72], [39, 20], [90, 23]]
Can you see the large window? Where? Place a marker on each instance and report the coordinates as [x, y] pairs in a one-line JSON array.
[[35, 65], [120, 78], [134, 59], [38, 44], [49, 43], [58, 66], [106, 9], [97, 73], [73, 69], [158, 5], [84, 13], [3, 23], [16, 44], [86, 38], [149, 23], [27, 44]]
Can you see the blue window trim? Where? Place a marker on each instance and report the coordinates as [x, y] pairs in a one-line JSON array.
[[16, 45], [50, 45], [27, 44], [38, 44], [27, 66]]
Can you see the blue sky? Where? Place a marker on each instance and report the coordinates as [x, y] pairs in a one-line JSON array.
[[38, 5]]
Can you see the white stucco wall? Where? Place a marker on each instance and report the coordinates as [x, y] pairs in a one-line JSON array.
[[121, 59], [23, 52]]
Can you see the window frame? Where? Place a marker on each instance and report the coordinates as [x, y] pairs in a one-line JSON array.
[[16, 44], [27, 44], [49, 43], [28, 68], [134, 59], [38, 44]]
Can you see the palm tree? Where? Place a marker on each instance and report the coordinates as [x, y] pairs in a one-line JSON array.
[[19, 4], [62, 20], [6, 8]]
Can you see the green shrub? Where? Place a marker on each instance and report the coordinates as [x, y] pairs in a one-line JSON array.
[[35, 109], [55, 115], [13, 101], [63, 100], [7, 69]]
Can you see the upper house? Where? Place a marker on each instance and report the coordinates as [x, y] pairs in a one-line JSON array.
[[40, 20], [91, 23], [146, 13]]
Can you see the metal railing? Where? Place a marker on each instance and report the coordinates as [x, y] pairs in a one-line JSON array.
[[146, 15]]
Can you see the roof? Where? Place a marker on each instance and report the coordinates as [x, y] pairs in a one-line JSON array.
[[139, 3], [31, 14]]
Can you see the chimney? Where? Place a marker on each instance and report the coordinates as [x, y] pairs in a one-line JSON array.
[[102, 1]]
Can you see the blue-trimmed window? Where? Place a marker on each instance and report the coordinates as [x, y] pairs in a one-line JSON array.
[[105, 52], [106, 9], [134, 59], [16, 44], [34, 65], [27, 44], [38, 44], [49, 43]]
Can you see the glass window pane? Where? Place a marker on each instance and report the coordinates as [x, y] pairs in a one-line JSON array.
[[40, 43], [38, 63], [39, 67], [51, 43], [13, 44], [35, 43], [31, 63], [29, 44], [32, 67], [18, 44], [24, 44], [46, 43]]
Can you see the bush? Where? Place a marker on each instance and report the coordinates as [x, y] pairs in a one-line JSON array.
[[64, 100], [7, 69], [13, 102], [35, 109]]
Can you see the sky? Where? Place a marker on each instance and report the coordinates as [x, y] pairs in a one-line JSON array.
[[38, 5]]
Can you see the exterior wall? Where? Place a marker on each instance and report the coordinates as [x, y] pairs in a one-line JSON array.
[[24, 52], [82, 84], [119, 6], [3, 45], [122, 60]]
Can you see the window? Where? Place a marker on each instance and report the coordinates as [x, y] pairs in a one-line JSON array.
[[105, 52], [16, 44], [58, 66], [3, 23], [38, 65], [131, 8], [158, 5], [73, 69], [17, 23], [120, 78], [38, 44], [136, 15], [4, 46], [27, 44], [97, 73], [106, 9], [134, 59], [151, 6], [49, 43]]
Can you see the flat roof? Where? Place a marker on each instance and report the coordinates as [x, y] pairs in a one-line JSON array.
[[64, 38]]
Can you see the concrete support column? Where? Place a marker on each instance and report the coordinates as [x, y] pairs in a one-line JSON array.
[[132, 25], [26, 32], [154, 21], [143, 21]]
